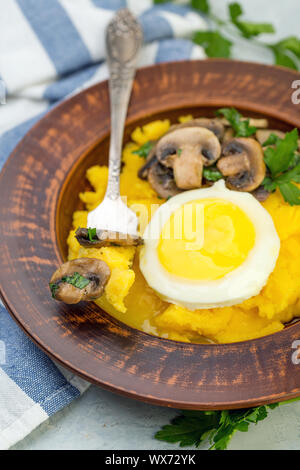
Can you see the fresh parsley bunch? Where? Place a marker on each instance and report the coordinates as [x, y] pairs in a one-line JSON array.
[[219, 40], [217, 427]]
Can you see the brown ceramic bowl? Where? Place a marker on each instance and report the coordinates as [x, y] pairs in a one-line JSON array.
[[38, 193]]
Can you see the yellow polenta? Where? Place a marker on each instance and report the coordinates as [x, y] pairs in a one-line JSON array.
[[131, 300]]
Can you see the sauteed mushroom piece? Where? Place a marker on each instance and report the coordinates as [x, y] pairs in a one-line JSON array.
[[105, 238], [150, 160], [162, 180], [185, 150], [261, 194], [242, 164], [79, 279]]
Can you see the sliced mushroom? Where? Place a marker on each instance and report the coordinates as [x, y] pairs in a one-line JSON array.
[[242, 164], [186, 150], [162, 180], [151, 159], [79, 279], [106, 238]]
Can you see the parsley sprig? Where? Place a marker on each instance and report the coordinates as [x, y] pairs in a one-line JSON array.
[[92, 234], [217, 427], [283, 163], [218, 42], [240, 125]]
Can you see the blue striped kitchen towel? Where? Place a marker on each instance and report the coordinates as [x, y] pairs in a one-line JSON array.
[[49, 50]]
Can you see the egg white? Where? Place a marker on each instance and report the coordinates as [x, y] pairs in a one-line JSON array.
[[244, 282]]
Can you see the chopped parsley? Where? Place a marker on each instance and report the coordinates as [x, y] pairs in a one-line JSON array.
[[92, 234], [144, 150], [211, 173], [75, 280], [53, 287], [179, 152]]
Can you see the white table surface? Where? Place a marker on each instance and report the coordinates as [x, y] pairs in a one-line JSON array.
[[103, 420]]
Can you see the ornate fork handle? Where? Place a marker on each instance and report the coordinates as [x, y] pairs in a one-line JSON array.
[[123, 41]]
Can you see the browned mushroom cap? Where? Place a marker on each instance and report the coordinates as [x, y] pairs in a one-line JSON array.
[[79, 279], [186, 150], [106, 238], [214, 125], [150, 160], [242, 164], [162, 180]]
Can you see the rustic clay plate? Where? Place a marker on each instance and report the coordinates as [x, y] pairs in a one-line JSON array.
[[38, 194]]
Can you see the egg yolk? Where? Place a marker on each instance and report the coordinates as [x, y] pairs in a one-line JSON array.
[[205, 239]]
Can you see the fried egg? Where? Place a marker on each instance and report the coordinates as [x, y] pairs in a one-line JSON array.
[[209, 247]]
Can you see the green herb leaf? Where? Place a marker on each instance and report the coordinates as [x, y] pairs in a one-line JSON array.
[[291, 43], [144, 150], [269, 184], [254, 29], [241, 126], [286, 52], [235, 10], [53, 287], [201, 5], [283, 58], [76, 280], [247, 28], [179, 152], [189, 429], [211, 173], [218, 427], [214, 44], [279, 159], [289, 176], [284, 165], [273, 139], [92, 233], [290, 193]]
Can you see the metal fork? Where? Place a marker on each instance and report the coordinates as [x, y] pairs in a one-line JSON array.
[[123, 41]]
